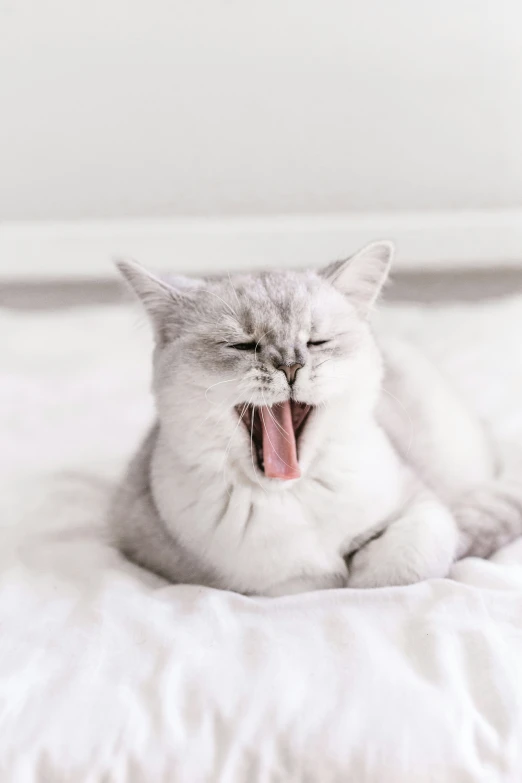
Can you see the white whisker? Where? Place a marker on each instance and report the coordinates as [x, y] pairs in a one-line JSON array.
[[225, 405], [233, 289], [227, 450], [229, 380], [263, 335], [212, 293], [274, 419], [251, 448], [240, 418]]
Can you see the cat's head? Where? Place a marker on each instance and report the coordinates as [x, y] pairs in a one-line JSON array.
[[251, 360]]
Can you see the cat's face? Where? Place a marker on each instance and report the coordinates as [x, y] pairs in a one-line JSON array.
[[256, 357]]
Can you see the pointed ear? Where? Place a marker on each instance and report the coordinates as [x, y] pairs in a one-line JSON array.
[[157, 297], [361, 277]]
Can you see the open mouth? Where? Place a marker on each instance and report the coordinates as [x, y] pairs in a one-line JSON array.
[[275, 432]]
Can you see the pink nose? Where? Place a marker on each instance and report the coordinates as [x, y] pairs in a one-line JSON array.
[[290, 371]]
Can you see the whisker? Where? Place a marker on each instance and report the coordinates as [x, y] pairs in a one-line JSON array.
[[225, 405], [233, 289], [255, 349], [227, 450], [274, 419], [323, 362], [251, 449], [226, 409], [240, 418], [212, 293], [229, 380]]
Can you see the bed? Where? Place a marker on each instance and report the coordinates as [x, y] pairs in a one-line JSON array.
[[109, 674]]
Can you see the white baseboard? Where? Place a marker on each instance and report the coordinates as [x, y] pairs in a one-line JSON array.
[[425, 240]]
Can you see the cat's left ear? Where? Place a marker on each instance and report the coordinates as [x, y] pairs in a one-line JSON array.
[[361, 277], [163, 300]]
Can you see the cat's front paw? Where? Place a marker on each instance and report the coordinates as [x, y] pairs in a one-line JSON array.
[[375, 566], [420, 545], [385, 563]]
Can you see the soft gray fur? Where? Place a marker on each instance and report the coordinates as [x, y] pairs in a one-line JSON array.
[[372, 507]]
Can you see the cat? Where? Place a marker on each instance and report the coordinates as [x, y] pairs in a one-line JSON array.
[[281, 460]]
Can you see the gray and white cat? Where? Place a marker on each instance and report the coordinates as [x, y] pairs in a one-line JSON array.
[[281, 462]]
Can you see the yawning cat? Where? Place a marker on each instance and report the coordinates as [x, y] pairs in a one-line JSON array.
[[282, 461]]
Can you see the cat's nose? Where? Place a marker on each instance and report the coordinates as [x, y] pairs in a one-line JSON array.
[[290, 370]]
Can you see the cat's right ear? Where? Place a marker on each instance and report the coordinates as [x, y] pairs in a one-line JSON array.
[[157, 297], [361, 277]]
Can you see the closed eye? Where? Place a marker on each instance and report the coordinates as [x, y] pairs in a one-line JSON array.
[[244, 346], [317, 342]]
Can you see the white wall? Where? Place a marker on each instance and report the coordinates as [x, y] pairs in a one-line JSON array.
[[115, 108]]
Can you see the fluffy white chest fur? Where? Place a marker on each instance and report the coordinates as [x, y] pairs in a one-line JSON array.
[[262, 538], [283, 460]]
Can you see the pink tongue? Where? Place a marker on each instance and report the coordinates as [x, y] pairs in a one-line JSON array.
[[279, 448]]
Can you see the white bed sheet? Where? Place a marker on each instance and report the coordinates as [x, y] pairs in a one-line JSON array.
[[108, 674]]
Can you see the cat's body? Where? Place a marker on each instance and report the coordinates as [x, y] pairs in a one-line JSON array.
[[384, 467]]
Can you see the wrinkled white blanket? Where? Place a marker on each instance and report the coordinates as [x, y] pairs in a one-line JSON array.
[[107, 674]]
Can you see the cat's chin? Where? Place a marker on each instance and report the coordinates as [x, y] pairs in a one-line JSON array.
[[274, 433]]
